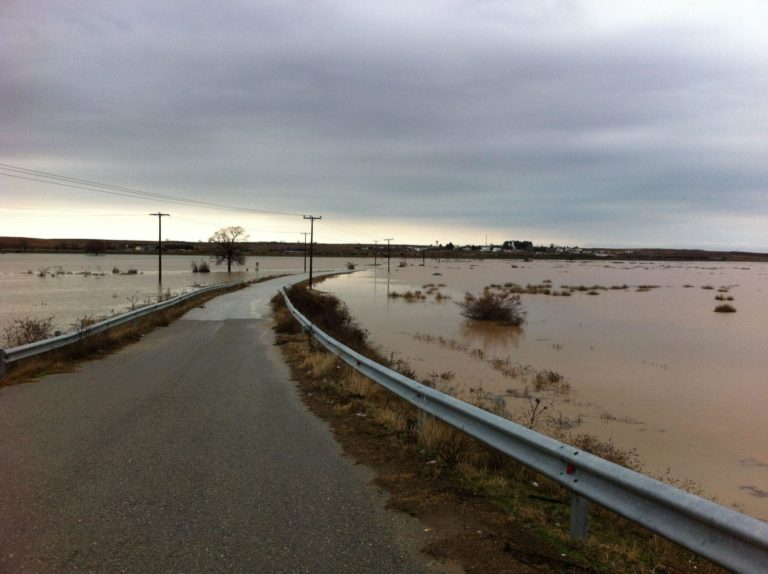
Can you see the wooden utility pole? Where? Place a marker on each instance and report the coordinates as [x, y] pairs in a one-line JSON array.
[[304, 233], [160, 244], [388, 240], [311, 242]]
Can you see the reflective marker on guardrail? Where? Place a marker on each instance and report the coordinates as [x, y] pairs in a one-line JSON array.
[[726, 537]]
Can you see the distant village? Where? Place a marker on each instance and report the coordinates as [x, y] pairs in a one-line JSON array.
[[522, 249], [96, 246]]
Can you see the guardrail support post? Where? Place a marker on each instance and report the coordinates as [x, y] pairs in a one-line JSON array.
[[2, 363], [737, 542], [579, 516]]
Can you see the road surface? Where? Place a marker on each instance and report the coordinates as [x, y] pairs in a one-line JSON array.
[[189, 451]]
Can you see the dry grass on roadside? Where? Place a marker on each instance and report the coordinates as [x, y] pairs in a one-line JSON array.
[[97, 345], [615, 545]]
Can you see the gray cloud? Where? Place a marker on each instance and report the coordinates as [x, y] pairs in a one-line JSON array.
[[559, 118]]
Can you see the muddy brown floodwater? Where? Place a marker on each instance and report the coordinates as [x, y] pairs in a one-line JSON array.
[[69, 286], [647, 363]]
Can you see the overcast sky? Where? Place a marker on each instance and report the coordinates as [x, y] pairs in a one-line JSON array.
[[599, 122]]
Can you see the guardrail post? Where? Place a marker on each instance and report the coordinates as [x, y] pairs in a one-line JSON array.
[[579, 516], [421, 416], [2, 363], [737, 542]]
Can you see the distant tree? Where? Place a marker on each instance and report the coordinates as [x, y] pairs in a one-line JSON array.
[[227, 246], [95, 246]]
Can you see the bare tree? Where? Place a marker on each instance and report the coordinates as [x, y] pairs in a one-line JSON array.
[[227, 246], [95, 246]]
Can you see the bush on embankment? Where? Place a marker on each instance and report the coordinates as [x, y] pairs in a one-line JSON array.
[[98, 344], [449, 461]]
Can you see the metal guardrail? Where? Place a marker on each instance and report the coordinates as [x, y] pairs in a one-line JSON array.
[[14, 354], [726, 537]]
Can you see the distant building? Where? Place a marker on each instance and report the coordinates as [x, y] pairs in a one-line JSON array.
[[518, 245]]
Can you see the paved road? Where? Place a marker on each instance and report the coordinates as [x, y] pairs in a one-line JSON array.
[[186, 452]]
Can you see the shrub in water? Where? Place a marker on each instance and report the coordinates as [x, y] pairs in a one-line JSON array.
[[494, 306]]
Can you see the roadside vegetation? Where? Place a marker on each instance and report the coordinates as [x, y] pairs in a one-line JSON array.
[[29, 330], [486, 511], [26, 330]]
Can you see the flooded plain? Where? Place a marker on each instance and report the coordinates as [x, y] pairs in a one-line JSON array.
[[644, 359], [633, 353], [70, 286]]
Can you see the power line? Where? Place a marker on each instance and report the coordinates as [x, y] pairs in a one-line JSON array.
[[34, 212], [51, 178], [77, 183], [249, 229], [357, 232]]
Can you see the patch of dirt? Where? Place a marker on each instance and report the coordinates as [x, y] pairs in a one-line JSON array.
[[462, 527]]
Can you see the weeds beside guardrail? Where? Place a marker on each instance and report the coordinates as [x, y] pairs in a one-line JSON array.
[[726, 537], [16, 354]]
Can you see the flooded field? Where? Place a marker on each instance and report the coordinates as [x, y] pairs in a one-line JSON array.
[[634, 352], [69, 286]]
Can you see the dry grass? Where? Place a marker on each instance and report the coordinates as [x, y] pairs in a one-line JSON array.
[[318, 364], [98, 345], [449, 445], [391, 417], [26, 330], [615, 545]]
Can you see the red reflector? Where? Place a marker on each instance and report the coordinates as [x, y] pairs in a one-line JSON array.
[[570, 469]]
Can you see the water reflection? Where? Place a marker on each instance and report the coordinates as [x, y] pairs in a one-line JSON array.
[[658, 355], [490, 336]]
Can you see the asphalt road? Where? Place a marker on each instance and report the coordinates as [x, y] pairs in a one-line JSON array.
[[189, 451]]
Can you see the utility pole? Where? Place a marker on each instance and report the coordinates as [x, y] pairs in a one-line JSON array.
[[375, 249], [311, 242], [388, 240], [304, 233], [160, 244]]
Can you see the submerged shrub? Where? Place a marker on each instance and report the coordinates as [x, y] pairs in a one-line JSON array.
[[201, 267], [494, 306], [725, 308]]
